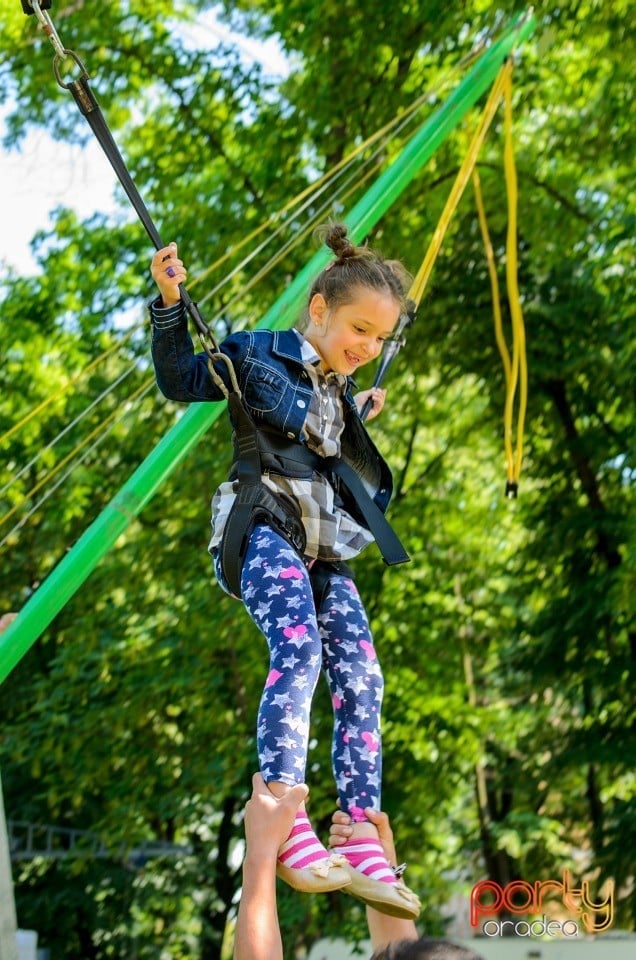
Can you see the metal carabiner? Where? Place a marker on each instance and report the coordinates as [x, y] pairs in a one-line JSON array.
[[61, 52], [47, 25], [216, 356], [57, 59]]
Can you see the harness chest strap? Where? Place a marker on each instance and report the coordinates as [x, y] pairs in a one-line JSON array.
[[275, 450], [254, 447], [390, 546]]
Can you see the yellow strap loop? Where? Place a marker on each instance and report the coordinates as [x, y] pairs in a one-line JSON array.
[[519, 358], [515, 368]]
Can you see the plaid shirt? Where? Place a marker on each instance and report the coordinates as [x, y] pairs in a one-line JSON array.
[[332, 533]]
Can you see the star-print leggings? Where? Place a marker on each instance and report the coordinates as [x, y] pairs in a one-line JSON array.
[[277, 593]]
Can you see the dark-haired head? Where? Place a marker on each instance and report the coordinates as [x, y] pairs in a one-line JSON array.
[[355, 268], [354, 304], [426, 948]]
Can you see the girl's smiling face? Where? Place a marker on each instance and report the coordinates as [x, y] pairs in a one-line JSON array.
[[348, 336]]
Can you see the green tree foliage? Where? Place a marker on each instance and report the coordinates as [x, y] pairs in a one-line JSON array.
[[507, 643]]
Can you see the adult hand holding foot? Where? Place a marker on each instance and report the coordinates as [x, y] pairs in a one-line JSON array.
[[303, 861], [387, 923], [268, 822]]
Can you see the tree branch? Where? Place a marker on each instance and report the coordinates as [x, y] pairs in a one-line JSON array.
[[556, 389]]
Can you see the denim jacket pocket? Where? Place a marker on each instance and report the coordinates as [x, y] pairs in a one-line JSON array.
[[264, 389]]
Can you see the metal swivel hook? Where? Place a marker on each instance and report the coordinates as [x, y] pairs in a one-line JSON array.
[[39, 8]]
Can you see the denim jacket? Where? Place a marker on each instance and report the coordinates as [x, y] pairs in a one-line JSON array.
[[275, 386]]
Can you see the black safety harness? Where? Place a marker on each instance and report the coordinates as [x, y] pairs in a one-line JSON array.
[[258, 450], [254, 503]]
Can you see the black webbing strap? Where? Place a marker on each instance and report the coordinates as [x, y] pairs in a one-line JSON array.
[[245, 438], [386, 538], [254, 503], [298, 455], [28, 9], [390, 351], [90, 109], [320, 574]]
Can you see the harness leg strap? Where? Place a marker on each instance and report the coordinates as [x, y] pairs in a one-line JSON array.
[[254, 504]]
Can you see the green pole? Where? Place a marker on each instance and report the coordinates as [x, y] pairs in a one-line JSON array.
[[76, 566]]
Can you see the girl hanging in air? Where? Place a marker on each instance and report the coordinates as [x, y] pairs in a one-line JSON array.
[[281, 538]]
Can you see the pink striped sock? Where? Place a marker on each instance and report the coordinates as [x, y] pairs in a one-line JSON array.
[[302, 847], [366, 855]]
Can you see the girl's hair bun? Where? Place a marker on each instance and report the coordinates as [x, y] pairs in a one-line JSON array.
[[336, 239], [355, 268]]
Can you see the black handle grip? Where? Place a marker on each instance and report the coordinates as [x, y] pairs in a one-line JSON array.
[[43, 5]]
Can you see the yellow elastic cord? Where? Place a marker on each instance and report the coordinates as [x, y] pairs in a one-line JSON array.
[[397, 121], [519, 358], [376, 136], [499, 334], [421, 280], [315, 186], [515, 369], [279, 216]]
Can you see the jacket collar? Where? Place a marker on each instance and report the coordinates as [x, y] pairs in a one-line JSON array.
[[287, 344]]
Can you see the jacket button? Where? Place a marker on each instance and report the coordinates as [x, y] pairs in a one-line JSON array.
[[301, 404], [290, 435]]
